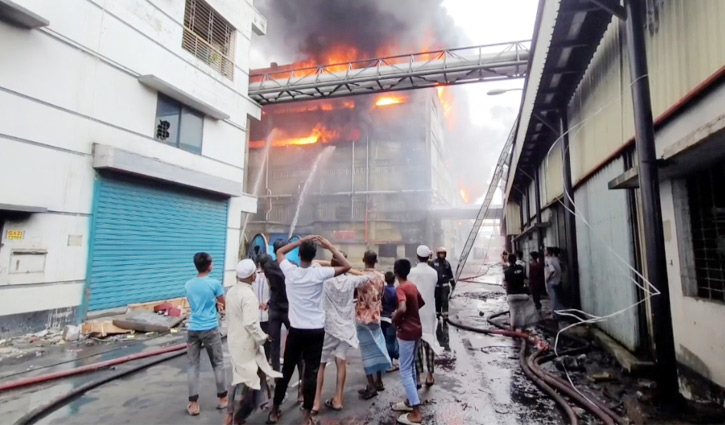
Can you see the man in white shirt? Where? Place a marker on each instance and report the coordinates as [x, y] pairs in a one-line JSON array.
[[340, 333], [307, 319], [261, 290], [245, 340], [425, 278], [553, 280]]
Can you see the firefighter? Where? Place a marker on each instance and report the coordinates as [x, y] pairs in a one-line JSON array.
[[445, 285]]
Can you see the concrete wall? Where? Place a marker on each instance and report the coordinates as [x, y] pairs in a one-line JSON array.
[[74, 83]]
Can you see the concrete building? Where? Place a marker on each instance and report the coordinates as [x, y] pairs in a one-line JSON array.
[[123, 135], [577, 128], [381, 184]]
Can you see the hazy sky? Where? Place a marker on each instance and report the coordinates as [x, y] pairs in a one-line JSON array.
[[489, 22]]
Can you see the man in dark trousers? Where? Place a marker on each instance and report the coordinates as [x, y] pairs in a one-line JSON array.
[[306, 337], [536, 278], [446, 284]]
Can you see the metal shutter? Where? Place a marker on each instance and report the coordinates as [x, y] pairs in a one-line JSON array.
[[143, 239]]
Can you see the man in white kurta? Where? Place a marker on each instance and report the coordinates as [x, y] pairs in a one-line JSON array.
[[425, 278], [245, 340]]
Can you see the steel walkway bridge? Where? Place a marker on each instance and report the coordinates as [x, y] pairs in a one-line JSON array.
[[492, 62]]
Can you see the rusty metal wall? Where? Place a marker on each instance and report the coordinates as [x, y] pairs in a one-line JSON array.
[[686, 45]]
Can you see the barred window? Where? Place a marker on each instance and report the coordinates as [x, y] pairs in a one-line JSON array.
[[706, 194], [209, 37]]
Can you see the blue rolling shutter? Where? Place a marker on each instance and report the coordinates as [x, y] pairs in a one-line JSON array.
[[144, 237]]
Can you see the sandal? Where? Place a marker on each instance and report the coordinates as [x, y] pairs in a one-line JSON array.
[[403, 419], [330, 404], [366, 393], [380, 387], [192, 412], [312, 411], [401, 406], [221, 406], [270, 420], [430, 383]]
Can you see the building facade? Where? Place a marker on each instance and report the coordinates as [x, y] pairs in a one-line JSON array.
[[124, 137], [379, 186], [578, 129]]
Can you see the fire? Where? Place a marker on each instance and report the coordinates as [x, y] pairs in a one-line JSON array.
[[319, 133], [315, 106], [390, 100], [445, 98], [464, 195]]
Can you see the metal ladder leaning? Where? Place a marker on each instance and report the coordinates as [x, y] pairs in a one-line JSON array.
[[497, 176]]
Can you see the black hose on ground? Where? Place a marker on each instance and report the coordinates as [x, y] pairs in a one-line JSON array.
[[558, 399], [541, 377], [42, 411], [567, 390]]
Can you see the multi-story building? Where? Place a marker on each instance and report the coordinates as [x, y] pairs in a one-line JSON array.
[[123, 136], [379, 186], [577, 130]]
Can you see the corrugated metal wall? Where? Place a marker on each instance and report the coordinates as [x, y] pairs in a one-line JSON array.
[[686, 45], [144, 238], [513, 219], [605, 284], [553, 178]]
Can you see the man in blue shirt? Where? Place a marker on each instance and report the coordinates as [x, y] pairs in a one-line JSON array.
[[204, 294]]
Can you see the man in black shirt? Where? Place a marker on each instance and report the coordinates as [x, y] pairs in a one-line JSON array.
[[445, 285], [514, 277], [522, 311]]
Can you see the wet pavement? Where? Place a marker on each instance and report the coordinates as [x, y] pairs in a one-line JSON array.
[[478, 381]]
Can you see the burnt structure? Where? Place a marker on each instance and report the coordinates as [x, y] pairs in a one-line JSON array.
[[377, 189]]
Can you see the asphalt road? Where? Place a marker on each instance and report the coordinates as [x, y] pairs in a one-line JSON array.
[[478, 381]]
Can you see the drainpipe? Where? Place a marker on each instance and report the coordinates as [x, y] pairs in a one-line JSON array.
[[537, 194], [572, 260], [654, 242]]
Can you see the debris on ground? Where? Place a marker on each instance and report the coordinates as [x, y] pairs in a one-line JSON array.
[[147, 321], [600, 377], [103, 328]]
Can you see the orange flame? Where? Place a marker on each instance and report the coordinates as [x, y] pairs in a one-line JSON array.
[[318, 134], [464, 195], [445, 98], [316, 106], [390, 100]]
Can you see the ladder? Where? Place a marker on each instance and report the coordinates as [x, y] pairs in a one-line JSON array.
[[497, 177]]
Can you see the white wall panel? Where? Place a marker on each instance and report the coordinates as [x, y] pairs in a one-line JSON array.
[[605, 283]]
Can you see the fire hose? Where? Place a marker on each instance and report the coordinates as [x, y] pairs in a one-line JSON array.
[[547, 382], [24, 382]]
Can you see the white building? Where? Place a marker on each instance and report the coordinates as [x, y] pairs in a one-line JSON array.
[[123, 139]]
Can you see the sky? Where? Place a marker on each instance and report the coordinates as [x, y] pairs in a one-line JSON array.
[[489, 22]]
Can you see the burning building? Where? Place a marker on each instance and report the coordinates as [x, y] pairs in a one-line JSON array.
[[390, 165], [376, 190]]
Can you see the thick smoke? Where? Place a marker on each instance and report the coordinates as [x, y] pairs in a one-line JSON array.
[[304, 29], [301, 30]]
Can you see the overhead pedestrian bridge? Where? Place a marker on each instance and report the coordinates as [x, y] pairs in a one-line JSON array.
[[494, 62]]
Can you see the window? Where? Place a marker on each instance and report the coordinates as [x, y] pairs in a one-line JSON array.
[[209, 37], [178, 125], [706, 195]]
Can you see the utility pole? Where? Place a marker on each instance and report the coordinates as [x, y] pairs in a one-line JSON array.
[[654, 242]]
